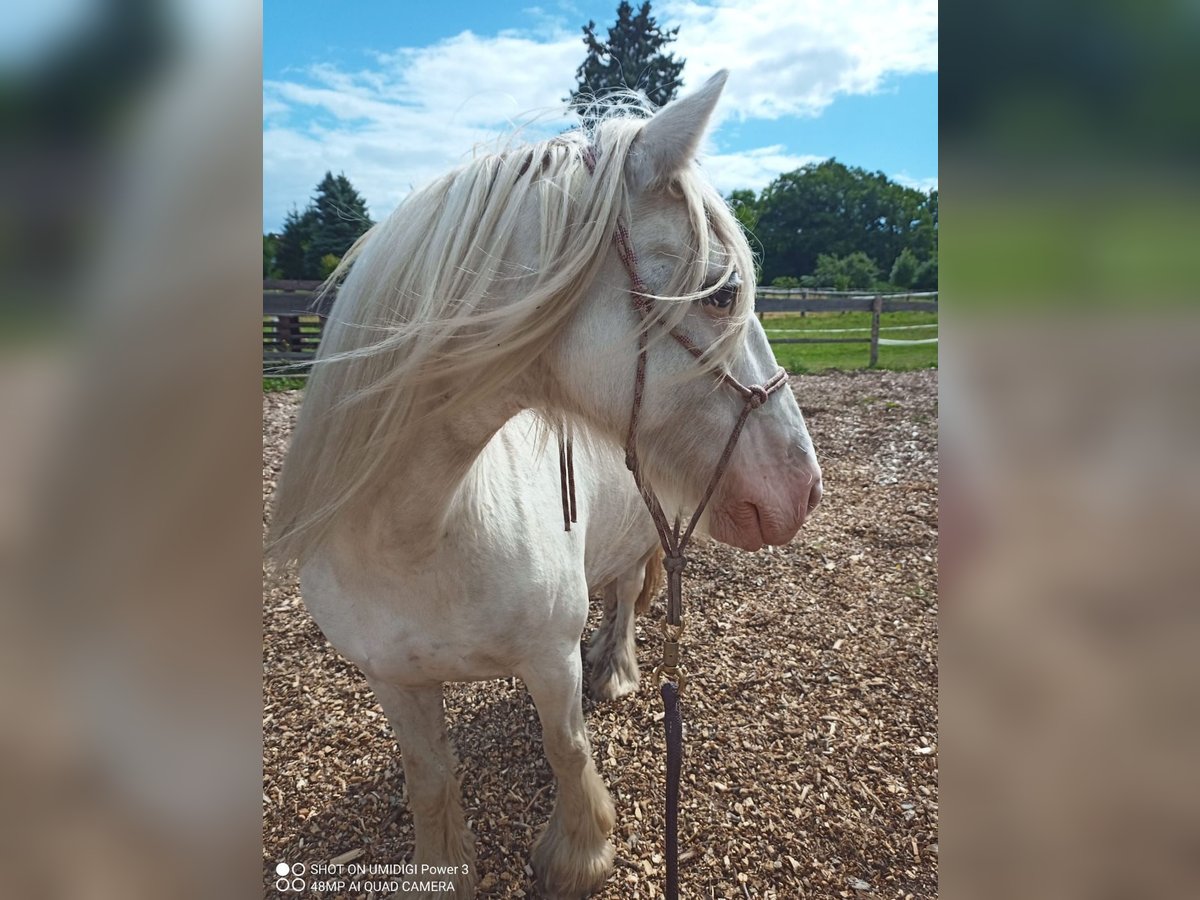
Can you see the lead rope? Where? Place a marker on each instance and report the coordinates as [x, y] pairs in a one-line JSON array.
[[673, 724], [670, 670]]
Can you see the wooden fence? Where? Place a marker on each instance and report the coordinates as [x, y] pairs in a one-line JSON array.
[[775, 300], [292, 324]]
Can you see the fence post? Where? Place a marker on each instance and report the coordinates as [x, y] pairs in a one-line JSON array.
[[876, 309]]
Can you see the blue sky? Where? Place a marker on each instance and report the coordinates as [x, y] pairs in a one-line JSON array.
[[393, 93]]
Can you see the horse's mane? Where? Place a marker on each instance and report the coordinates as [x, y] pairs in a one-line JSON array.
[[429, 316]]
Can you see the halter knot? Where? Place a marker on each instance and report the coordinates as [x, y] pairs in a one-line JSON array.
[[758, 396], [674, 563]]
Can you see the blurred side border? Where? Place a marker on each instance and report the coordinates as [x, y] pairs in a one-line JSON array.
[[1070, 197], [130, 489]]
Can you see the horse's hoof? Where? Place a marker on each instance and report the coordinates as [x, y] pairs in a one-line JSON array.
[[614, 674], [567, 873], [612, 685]]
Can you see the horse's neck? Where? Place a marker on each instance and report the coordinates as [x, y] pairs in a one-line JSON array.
[[426, 488]]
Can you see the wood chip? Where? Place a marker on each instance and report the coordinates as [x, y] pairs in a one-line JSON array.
[[816, 804]]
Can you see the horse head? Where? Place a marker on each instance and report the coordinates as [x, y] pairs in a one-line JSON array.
[[697, 274]]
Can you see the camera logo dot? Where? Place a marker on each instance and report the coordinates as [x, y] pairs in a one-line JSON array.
[[283, 883]]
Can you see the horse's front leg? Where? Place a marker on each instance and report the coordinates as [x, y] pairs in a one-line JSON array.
[[573, 857], [442, 837]]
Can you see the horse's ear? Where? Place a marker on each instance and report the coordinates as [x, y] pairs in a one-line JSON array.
[[670, 139]]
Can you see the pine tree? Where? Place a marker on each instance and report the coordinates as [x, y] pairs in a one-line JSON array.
[[632, 58], [340, 218], [291, 250]]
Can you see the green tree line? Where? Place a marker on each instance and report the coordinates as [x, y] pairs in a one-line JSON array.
[[824, 225], [835, 226]]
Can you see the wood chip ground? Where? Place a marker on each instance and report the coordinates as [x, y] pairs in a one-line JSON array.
[[811, 760]]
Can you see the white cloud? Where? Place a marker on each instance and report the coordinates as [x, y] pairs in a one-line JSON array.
[[274, 106], [421, 110], [753, 169], [795, 57]]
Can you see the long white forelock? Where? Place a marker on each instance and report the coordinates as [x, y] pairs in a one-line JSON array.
[[416, 332]]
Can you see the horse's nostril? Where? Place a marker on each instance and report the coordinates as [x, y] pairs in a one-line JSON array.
[[815, 495]]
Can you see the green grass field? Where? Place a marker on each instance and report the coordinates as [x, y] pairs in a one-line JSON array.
[[275, 383], [822, 357], [799, 358]]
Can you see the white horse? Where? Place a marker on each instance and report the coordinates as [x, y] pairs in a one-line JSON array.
[[490, 309]]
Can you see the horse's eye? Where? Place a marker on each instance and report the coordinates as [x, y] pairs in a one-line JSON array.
[[723, 297]]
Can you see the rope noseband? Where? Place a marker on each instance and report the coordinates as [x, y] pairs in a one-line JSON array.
[[673, 540]]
